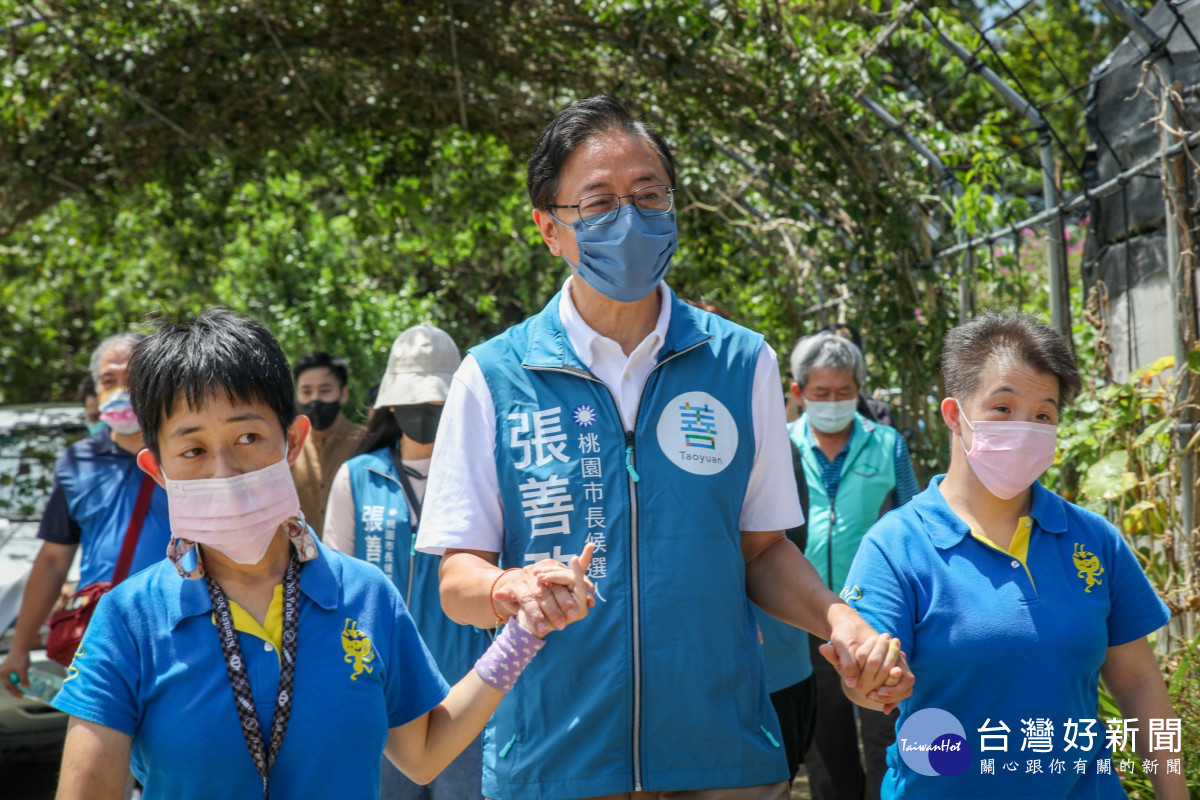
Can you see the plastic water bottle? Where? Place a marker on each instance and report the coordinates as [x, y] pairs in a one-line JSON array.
[[43, 684]]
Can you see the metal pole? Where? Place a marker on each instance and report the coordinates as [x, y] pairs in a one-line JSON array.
[[1060, 312], [1174, 220], [1175, 210], [893, 125], [1059, 316]]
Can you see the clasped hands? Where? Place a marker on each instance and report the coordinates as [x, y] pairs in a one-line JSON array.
[[875, 672], [548, 595]]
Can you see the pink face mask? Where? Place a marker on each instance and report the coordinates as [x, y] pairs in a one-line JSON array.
[[1008, 457], [238, 515]]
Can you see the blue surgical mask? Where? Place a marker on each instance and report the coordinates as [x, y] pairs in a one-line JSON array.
[[625, 259], [97, 426]]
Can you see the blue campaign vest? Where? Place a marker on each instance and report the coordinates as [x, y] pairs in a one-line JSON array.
[[662, 686], [383, 536], [101, 483]]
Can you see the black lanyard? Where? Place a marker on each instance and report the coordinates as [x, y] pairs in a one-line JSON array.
[[240, 682], [404, 471]]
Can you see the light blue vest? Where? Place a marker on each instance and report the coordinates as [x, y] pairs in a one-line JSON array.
[[383, 536], [866, 491], [662, 686]]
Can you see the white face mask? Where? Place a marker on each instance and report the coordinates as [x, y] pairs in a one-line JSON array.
[[830, 416], [238, 515]]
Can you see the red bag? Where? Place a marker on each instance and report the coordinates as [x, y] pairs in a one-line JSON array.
[[68, 624]]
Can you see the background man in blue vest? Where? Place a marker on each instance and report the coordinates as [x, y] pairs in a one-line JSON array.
[[624, 418], [96, 484], [855, 471]]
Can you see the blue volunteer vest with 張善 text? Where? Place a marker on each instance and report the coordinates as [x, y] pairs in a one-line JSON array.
[[383, 536], [662, 686]]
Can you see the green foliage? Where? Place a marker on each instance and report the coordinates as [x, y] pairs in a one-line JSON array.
[[325, 258], [1183, 686], [343, 171], [1117, 457]]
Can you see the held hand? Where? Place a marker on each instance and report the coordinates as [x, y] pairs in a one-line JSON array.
[[883, 678], [548, 594], [16, 662], [554, 573], [864, 660]]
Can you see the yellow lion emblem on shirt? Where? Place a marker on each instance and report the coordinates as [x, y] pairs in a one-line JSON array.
[[1089, 567], [358, 648]]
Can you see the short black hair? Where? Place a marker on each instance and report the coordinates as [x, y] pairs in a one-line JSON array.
[[190, 362], [968, 348], [317, 358], [572, 127]]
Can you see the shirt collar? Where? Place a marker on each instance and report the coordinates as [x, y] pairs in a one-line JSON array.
[[947, 529], [810, 440], [103, 445], [320, 581], [584, 339]]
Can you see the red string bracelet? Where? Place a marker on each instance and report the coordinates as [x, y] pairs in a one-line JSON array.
[[492, 596]]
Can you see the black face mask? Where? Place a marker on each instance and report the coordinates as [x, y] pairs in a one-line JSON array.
[[419, 422], [321, 413]]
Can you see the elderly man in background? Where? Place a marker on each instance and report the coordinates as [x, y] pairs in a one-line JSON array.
[[93, 507], [855, 470]]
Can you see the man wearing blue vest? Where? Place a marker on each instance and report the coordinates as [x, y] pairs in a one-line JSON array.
[[623, 418], [96, 486], [855, 471]]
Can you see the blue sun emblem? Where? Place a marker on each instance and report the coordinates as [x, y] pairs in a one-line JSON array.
[[584, 416]]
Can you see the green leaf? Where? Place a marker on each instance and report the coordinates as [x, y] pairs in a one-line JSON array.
[[1109, 477], [1154, 429], [1193, 360]]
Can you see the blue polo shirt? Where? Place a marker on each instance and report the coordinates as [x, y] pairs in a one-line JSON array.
[[1000, 644], [96, 485], [151, 666]]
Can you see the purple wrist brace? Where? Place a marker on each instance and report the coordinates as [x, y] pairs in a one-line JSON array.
[[508, 656]]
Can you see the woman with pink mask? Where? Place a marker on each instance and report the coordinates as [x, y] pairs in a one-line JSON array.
[[1011, 602]]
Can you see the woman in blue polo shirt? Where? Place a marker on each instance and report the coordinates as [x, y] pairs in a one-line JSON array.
[[373, 514], [1012, 602], [254, 660]]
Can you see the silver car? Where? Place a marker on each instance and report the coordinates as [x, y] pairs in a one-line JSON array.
[[31, 440]]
